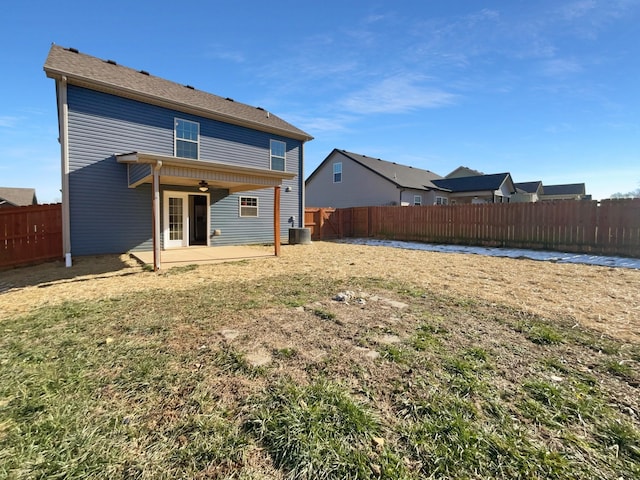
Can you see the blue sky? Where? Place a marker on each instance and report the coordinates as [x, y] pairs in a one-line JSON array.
[[547, 90]]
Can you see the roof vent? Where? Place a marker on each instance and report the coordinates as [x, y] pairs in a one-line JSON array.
[[144, 72], [260, 108], [230, 99], [190, 87], [111, 62], [74, 50]]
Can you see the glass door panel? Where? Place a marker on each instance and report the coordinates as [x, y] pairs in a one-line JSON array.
[[175, 220]]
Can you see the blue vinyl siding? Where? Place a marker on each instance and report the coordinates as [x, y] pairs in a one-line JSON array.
[[238, 230], [138, 172], [109, 217]]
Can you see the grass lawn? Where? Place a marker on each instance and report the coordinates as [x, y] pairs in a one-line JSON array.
[[278, 379]]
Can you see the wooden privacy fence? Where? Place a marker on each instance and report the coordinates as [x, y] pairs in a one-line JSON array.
[[610, 227], [30, 234]]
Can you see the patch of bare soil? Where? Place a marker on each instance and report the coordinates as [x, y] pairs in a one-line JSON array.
[[601, 298]]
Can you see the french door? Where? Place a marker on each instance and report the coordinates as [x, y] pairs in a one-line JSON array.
[[184, 222]]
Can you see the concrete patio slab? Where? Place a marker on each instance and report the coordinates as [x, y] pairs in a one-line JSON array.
[[204, 255]]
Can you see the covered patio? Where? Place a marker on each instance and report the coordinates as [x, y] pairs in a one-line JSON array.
[[205, 255], [166, 170]]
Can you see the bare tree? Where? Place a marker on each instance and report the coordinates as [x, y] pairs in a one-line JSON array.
[[632, 194]]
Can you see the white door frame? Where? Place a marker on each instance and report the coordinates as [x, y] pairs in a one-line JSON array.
[[184, 241]]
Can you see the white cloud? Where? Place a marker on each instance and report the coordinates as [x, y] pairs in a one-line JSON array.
[[560, 128], [317, 125], [397, 94], [559, 67], [220, 52], [373, 18], [8, 122], [586, 18], [577, 9], [481, 16]]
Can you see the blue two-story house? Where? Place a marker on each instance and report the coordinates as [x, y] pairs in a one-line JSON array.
[[149, 164]]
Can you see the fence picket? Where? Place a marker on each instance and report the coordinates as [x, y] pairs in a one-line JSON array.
[[30, 234]]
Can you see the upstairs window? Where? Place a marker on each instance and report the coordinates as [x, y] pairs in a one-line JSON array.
[[278, 150], [417, 200], [337, 172], [187, 137], [248, 206]]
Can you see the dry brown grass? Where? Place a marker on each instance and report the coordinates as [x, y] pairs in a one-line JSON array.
[[602, 298]]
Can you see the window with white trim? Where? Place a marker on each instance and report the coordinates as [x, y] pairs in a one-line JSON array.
[[278, 155], [248, 206], [337, 172], [417, 200], [187, 138], [442, 200]]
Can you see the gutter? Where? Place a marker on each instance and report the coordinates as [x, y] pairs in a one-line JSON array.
[[63, 131]]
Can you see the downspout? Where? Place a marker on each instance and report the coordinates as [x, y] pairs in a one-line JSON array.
[[63, 131], [400, 202], [303, 199], [156, 215]]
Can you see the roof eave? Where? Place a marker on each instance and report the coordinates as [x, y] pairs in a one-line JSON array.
[[163, 102]]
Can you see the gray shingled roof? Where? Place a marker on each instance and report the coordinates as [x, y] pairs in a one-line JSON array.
[[566, 189], [402, 175], [473, 184], [463, 171], [18, 197], [106, 76]]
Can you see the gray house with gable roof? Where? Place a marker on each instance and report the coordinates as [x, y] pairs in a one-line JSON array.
[[148, 163], [346, 179]]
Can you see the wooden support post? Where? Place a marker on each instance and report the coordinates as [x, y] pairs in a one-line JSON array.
[[156, 215], [276, 220]]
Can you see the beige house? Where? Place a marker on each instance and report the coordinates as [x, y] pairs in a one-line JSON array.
[[570, 191], [527, 192]]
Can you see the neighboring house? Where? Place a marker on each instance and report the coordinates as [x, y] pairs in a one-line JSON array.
[[495, 188], [345, 179], [527, 192], [570, 191], [17, 197], [463, 172], [149, 162]]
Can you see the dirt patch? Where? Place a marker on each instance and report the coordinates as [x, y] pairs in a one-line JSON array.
[[603, 298]]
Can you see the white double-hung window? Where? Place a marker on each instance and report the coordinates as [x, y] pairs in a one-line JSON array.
[[187, 138], [337, 172], [278, 155], [248, 206]]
